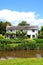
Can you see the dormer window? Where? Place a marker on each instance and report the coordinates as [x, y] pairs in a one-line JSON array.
[[33, 30]]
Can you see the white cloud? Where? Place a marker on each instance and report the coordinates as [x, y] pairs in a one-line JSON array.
[[15, 17]]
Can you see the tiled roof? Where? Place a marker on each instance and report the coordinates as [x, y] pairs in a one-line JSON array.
[[21, 27]]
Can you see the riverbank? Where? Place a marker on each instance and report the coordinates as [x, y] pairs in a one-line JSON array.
[[21, 54], [22, 61], [21, 44]]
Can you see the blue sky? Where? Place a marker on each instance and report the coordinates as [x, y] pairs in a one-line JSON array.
[[23, 6]]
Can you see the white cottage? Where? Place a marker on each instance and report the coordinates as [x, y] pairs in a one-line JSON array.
[[32, 31]]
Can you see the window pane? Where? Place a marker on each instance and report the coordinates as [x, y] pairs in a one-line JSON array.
[[33, 36], [33, 30]]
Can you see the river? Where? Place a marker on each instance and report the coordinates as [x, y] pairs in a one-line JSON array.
[[21, 54]]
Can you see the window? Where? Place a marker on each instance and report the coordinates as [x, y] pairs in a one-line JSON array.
[[33, 36], [11, 30], [33, 30]]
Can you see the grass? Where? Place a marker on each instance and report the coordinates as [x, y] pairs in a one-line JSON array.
[[22, 61]]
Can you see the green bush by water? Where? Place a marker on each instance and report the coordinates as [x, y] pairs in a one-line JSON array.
[[21, 44], [39, 40]]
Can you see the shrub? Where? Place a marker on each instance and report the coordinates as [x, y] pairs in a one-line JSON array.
[[40, 36], [26, 45], [2, 37], [41, 46], [10, 41], [23, 44], [39, 40]]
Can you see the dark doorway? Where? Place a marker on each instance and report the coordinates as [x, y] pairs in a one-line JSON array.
[[29, 36]]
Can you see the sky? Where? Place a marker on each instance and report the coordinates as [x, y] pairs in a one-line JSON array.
[[16, 11]]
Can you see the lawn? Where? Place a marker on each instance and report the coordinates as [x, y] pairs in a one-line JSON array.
[[22, 61]]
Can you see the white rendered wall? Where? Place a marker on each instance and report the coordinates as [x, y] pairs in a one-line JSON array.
[[30, 32]]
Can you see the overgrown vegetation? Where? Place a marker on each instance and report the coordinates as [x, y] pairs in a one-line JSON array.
[[2, 37], [3, 27], [21, 44], [40, 33]]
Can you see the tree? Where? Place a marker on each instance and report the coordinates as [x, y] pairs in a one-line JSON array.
[[41, 28], [23, 23], [3, 27], [21, 33], [40, 33]]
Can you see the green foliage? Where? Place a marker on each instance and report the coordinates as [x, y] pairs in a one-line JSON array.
[[41, 28], [10, 33], [21, 44], [40, 36], [10, 41], [30, 45], [21, 33], [40, 33], [39, 40], [18, 33], [24, 33], [3, 27], [26, 45], [23, 23], [2, 37]]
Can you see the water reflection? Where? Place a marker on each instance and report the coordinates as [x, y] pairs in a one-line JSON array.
[[38, 55], [21, 54]]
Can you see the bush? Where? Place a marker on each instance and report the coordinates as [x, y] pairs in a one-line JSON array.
[[22, 44], [39, 40], [40, 36], [5, 47], [26, 45], [2, 37]]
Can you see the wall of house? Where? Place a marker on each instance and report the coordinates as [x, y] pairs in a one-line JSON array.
[[31, 33]]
